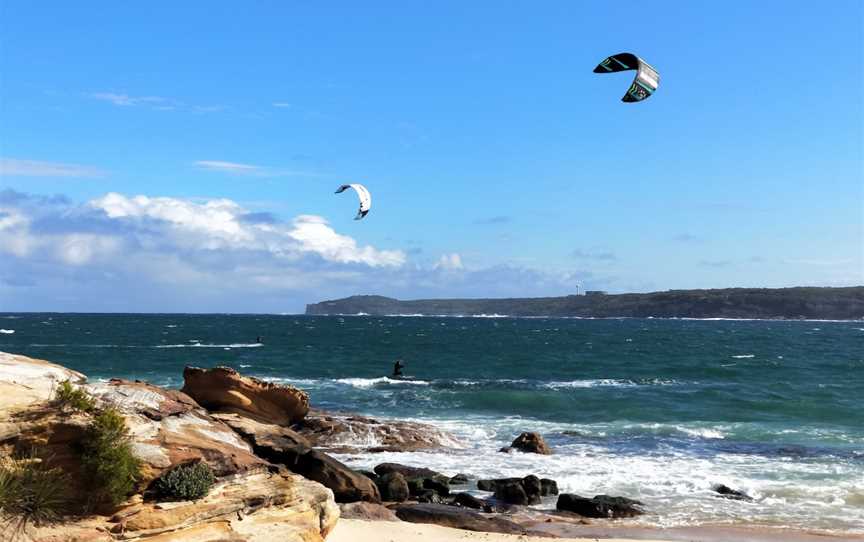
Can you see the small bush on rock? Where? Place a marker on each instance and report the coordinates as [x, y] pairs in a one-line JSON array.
[[107, 458], [68, 396], [186, 482], [30, 493]]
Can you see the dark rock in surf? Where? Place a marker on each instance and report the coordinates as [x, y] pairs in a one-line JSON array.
[[431, 496], [523, 492], [468, 501], [728, 493], [490, 485], [393, 487], [600, 506], [459, 479], [548, 487], [531, 443], [437, 486]]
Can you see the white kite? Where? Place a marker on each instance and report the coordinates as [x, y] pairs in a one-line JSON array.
[[363, 194]]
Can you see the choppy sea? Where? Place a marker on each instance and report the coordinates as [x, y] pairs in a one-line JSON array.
[[657, 410]]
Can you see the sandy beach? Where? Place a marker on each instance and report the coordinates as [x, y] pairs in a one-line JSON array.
[[355, 530]]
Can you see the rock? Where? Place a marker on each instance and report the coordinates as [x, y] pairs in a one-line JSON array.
[[601, 506], [224, 389], [407, 471], [506, 450], [393, 487], [367, 511], [281, 445], [459, 480], [257, 507], [430, 496], [490, 485], [351, 433], [455, 517], [548, 487], [249, 502], [167, 427], [25, 381], [369, 474], [522, 492], [436, 485], [531, 443], [468, 501], [729, 493]]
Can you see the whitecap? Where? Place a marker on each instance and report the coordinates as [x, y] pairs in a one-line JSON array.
[[744, 356], [371, 382], [201, 345], [7, 331]]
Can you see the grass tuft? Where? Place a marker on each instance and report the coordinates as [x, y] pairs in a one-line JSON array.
[[68, 396], [30, 494]]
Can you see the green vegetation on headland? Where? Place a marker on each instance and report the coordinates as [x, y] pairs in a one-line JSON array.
[[759, 303]]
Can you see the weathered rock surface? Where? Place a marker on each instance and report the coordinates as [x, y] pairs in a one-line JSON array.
[[25, 381], [600, 506], [367, 511], [531, 443], [729, 493], [251, 502], [224, 389], [393, 487], [347, 433], [282, 445], [262, 507], [167, 427], [548, 487], [456, 517]]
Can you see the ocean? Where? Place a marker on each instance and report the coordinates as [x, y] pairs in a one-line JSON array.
[[653, 409]]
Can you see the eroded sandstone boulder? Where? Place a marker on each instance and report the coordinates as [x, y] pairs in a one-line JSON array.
[[167, 427], [25, 381], [367, 511], [224, 389], [393, 487]]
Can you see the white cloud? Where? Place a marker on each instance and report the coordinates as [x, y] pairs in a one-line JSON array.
[[126, 100], [230, 167], [449, 262], [12, 167]]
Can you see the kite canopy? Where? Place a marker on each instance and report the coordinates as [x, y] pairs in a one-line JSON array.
[[363, 194], [647, 79]]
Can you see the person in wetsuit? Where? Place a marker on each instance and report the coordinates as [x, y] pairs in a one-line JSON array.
[[397, 368]]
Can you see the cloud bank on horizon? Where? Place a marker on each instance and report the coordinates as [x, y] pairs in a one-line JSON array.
[[121, 252]]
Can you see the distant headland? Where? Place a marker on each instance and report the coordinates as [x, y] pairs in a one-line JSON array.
[[757, 303]]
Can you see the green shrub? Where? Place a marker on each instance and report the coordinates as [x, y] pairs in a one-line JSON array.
[[111, 468], [185, 482], [77, 399], [30, 493]]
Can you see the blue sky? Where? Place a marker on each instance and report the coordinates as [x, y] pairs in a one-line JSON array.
[[499, 163]]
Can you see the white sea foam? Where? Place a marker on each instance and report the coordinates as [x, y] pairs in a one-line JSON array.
[[200, 345], [744, 356], [676, 486], [7, 331], [371, 382]]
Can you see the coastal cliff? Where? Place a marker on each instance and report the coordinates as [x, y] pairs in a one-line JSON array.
[[757, 303]]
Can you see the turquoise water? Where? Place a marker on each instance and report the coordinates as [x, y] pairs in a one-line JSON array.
[[652, 409]]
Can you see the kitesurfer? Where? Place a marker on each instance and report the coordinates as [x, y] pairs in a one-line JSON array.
[[397, 368]]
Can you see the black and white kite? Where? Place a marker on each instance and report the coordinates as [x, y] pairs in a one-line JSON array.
[[647, 79], [363, 194]]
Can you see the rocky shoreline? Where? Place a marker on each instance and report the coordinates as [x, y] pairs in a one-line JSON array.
[[269, 453]]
